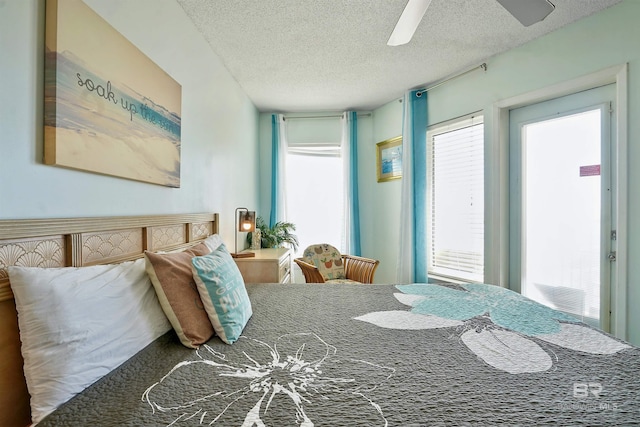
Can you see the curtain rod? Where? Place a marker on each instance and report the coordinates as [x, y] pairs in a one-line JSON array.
[[483, 66], [323, 117], [418, 93]]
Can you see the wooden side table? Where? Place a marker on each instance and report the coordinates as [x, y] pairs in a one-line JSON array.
[[268, 266]]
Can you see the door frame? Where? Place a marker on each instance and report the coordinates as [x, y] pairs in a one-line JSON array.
[[497, 182], [566, 106]]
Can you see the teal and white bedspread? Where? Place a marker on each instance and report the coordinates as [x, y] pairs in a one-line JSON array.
[[377, 355]]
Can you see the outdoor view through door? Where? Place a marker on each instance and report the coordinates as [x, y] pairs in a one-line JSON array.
[[568, 277], [565, 206]]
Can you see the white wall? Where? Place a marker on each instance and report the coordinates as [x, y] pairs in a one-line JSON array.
[[607, 39], [219, 156]]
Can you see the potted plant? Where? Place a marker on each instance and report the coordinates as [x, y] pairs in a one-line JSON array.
[[276, 236]]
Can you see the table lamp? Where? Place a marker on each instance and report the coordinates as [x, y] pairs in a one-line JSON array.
[[245, 222]]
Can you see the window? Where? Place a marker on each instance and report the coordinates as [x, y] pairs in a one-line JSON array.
[[455, 199], [315, 182]]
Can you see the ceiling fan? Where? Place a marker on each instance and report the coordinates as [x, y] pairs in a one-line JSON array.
[[528, 12]]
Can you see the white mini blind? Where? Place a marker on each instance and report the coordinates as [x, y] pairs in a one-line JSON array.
[[314, 136], [319, 150], [455, 156]]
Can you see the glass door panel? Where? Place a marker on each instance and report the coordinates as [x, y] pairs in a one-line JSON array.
[[561, 213]]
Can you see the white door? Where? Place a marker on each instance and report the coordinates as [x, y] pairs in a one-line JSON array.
[[561, 204]]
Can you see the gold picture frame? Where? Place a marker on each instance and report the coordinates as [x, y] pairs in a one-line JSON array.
[[389, 159]]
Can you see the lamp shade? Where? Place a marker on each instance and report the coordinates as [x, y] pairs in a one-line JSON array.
[[247, 221]]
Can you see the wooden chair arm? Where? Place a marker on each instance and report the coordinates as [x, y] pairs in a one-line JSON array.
[[359, 268], [311, 273]]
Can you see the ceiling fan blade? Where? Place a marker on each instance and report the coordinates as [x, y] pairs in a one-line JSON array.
[[528, 12], [408, 22]]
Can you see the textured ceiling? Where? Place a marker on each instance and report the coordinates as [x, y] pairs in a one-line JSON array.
[[331, 55]]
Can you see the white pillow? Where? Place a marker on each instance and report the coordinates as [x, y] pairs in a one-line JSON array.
[[213, 242], [78, 324]]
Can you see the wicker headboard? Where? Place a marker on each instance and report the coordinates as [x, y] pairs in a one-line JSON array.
[[75, 242]]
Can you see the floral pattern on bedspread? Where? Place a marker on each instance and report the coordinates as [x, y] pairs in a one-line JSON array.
[[495, 323], [303, 360], [291, 380]]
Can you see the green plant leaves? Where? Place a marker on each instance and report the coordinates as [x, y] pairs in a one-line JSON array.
[[276, 236]]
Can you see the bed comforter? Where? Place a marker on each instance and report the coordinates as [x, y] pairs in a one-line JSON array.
[[376, 355]]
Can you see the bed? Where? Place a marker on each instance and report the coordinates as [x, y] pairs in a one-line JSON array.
[[338, 355]]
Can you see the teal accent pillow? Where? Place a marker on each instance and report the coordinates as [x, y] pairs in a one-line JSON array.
[[223, 294]]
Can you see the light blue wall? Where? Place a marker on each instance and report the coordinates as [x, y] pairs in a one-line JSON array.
[[219, 123], [384, 210], [607, 39], [221, 127]]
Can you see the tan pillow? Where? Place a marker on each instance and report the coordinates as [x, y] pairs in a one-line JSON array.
[[171, 276]]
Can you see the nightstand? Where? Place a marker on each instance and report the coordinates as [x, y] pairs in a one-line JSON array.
[[268, 266]]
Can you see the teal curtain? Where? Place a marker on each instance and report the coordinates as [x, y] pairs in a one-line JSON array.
[[412, 256], [278, 159], [351, 201]]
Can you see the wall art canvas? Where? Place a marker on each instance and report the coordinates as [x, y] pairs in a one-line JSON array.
[[108, 108]]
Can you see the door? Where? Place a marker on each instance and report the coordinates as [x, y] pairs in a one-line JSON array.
[[561, 205]]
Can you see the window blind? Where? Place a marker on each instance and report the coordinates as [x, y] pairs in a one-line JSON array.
[[456, 200], [320, 150]]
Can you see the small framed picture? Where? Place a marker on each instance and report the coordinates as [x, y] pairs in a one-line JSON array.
[[389, 159]]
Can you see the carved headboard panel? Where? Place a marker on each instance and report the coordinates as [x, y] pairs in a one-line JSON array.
[[75, 242]]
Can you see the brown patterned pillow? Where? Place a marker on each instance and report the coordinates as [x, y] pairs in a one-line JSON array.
[[171, 276]]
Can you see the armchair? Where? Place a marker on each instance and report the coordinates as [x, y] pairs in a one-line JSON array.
[[323, 263]]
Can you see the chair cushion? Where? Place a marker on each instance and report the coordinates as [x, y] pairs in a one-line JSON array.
[[327, 259], [343, 281]]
